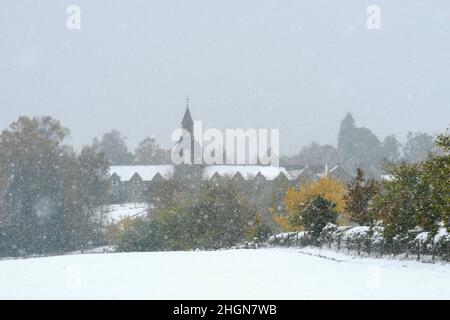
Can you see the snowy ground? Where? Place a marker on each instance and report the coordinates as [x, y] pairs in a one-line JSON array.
[[116, 212], [229, 274]]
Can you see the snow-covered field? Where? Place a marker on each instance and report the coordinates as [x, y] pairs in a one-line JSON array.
[[229, 274]]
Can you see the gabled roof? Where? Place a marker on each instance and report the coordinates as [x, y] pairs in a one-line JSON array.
[[247, 172], [215, 176], [158, 177], [259, 176], [238, 176], [282, 175], [136, 175], [294, 173], [309, 173], [147, 173], [340, 171]]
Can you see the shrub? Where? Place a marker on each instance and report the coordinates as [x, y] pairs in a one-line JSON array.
[[317, 215], [359, 199], [259, 231], [141, 234]]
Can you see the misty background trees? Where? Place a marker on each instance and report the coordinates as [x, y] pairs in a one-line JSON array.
[[113, 145], [358, 147], [150, 153]]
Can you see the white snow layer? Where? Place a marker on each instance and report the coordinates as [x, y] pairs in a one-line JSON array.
[[230, 274], [116, 212]]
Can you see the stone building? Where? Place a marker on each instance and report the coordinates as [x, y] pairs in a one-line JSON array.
[[134, 183]]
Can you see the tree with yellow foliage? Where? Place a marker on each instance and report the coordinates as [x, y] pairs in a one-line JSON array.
[[297, 200]]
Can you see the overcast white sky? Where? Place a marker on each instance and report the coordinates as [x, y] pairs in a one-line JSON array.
[[294, 65]]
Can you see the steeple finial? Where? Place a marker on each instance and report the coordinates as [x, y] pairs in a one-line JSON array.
[[187, 102]]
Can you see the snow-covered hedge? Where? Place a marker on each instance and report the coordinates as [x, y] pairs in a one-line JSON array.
[[370, 240]]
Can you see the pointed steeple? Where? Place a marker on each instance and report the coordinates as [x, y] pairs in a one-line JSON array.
[[187, 122]]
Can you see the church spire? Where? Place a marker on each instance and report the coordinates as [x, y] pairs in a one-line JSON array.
[[187, 123]]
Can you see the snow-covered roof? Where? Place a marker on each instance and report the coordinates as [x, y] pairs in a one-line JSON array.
[[295, 173], [147, 173], [247, 172]]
